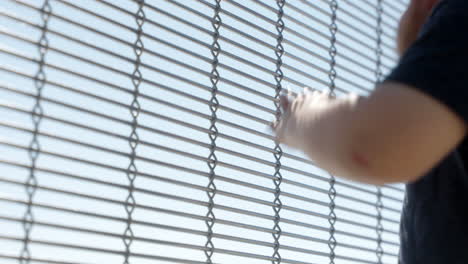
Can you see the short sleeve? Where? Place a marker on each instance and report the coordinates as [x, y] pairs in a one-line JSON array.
[[437, 63]]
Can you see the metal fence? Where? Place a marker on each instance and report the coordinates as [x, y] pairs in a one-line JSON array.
[[136, 131]]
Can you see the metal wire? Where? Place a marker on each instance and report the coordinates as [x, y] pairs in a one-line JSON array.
[[277, 176], [134, 139], [332, 75], [378, 77], [213, 132], [34, 146]]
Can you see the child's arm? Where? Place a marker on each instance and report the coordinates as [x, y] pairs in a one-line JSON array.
[[394, 135]]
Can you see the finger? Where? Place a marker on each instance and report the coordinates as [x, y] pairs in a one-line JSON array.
[[299, 97], [289, 90], [284, 102], [316, 93], [273, 125], [278, 131], [331, 95]]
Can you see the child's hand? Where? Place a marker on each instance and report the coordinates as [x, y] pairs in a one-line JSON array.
[[298, 113]]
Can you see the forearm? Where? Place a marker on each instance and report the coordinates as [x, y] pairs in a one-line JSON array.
[[329, 139], [395, 135]]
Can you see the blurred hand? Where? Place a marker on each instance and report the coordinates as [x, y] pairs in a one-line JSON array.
[[412, 21], [300, 116]]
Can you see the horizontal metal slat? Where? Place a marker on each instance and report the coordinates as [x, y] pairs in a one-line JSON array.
[[204, 218], [309, 187], [356, 17], [233, 195], [185, 245], [285, 65], [40, 260], [326, 24], [402, 3], [180, 78], [100, 250], [369, 14], [258, 41], [395, 188], [180, 229], [155, 209], [310, 28], [193, 142], [193, 186], [183, 199], [287, 54], [193, 201], [139, 205], [172, 149], [388, 15], [392, 5], [231, 138]]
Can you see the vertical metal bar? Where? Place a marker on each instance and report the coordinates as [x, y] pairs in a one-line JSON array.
[[378, 77], [34, 146], [213, 134], [332, 75], [278, 178], [133, 139]]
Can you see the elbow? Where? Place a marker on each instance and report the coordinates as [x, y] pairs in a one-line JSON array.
[[366, 169], [377, 170]]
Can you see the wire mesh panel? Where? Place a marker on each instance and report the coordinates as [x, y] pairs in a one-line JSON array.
[[136, 131]]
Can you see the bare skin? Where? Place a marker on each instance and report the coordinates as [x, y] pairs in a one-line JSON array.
[[396, 134], [412, 21]]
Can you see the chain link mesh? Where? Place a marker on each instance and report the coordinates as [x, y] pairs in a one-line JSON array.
[[378, 77], [278, 152], [135, 108], [332, 50], [34, 145], [332, 76], [213, 135], [129, 203]]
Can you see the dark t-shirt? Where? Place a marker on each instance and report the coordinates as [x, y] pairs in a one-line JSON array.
[[434, 223]]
